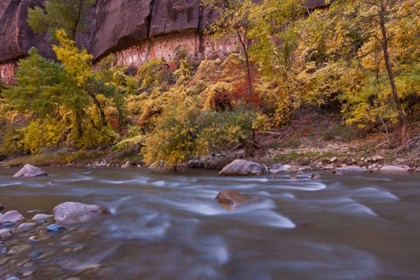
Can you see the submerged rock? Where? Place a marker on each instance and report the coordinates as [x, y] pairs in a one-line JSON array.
[[76, 212], [231, 199], [11, 216], [241, 167], [29, 170]]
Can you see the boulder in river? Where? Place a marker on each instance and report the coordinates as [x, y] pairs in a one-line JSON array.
[[12, 216], [231, 199], [76, 212], [394, 169], [241, 167], [29, 170], [277, 167]]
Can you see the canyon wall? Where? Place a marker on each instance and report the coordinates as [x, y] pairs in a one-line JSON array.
[[135, 30]]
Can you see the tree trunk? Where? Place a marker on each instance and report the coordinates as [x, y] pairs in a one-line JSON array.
[[100, 110], [248, 68], [385, 49]]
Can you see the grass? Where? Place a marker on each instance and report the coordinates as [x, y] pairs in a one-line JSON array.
[[82, 157]]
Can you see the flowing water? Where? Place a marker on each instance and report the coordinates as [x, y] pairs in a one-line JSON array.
[[169, 226]]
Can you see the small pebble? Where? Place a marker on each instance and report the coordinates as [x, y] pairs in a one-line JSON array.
[[55, 228], [7, 224], [19, 249], [40, 222], [28, 273], [41, 217], [35, 255]]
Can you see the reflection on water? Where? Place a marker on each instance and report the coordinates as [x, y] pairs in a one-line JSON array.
[[169, 226]]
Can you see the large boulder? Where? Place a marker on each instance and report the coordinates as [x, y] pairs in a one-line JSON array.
[[241, 167], [277, 167], [394, 169], [11, 216], [231, 199], [76, 212], [351, 168], [29, 170]]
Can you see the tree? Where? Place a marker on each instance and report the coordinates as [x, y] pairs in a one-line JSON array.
[[42, 86], [234, 20], [60, 14], [363, 55], [275, 36]]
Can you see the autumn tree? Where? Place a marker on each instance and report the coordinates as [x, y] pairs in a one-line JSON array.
[[363, 53], [275, 37], [234, 22]]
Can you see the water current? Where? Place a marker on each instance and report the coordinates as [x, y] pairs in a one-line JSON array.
[[169, 226]]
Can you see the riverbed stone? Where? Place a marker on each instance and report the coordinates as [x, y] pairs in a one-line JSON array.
[[55, 228], [394, 169], [241, 167], [76, 212], [29, 170], [5, 233], [19, 249], [12, 216], [232, 199], [26, 226]]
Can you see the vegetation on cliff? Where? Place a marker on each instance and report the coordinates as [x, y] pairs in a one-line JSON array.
[[359, 60]]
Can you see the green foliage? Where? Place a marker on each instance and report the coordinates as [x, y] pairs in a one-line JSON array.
[[154, 73], [220, 130], [58, 14], [42, 84]]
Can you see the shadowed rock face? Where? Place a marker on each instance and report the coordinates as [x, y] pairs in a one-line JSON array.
[[112, 25], [16, 37]]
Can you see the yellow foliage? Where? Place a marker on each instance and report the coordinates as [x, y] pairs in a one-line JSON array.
[[39, 135], [75, 62]]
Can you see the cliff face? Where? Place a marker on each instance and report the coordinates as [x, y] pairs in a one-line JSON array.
[[16, 37], [135, 30], [114, 26]]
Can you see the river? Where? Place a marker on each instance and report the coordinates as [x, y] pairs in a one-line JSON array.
[[169, 226]]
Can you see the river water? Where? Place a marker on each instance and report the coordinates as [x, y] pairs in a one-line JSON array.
[[169, 226]]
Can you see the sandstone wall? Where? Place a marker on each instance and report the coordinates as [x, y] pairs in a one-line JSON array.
[[136, 30]]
